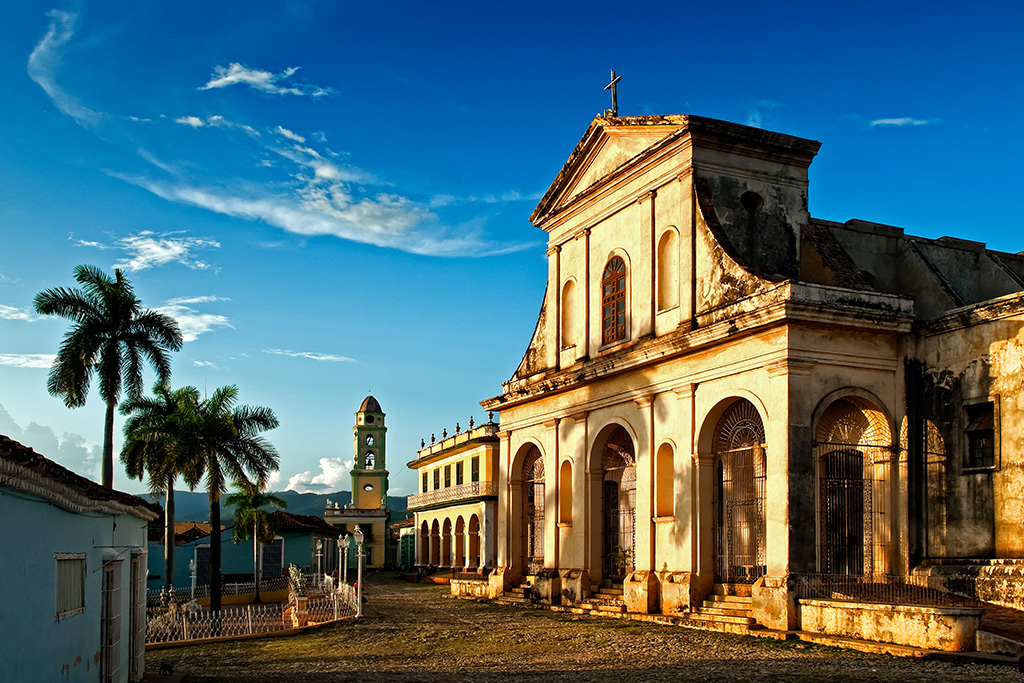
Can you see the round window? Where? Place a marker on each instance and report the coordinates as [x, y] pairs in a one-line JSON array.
[[369, 419], [368, 487]]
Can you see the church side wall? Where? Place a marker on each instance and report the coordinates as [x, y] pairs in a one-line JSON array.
[[973, 512]]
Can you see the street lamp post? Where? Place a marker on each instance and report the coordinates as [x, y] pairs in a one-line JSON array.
[[319, 554], [192, 570], [359, 568], [343, 543]]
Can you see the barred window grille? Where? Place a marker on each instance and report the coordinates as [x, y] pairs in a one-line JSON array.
[[853, 451], [475, 468], [533, 511], [739, 494], [981, 435], [69, 580], [137, 617], [110, 624], [619, 501]]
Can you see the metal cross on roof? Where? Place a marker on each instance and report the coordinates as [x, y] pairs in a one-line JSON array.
[[614, 111]]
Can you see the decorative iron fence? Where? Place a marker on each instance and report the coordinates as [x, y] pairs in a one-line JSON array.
[[189, 621], [950, 590], [156, 597]]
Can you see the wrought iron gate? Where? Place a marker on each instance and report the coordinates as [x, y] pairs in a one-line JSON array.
[[533, 512], [739, 496], [619, 503]]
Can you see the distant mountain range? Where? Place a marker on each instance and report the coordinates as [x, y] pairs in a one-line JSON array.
[[195, 507]]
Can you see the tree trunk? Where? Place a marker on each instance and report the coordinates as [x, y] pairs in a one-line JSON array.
[[256, 561], [215, 577], [107, 466], [169, 534]]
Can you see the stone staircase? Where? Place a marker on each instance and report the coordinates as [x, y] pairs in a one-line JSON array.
[[726, 609], [607, 598], [517, 595]]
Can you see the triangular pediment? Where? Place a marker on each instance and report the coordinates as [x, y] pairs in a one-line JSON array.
[[608, 144]]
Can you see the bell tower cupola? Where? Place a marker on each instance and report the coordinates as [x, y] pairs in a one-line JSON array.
[[369, 472]]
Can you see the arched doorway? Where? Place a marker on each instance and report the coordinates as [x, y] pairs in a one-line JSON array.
[[618, 464], [446, 544], [852, 450], [460, 543], [435, 544], [533, 511], [474, 541], [424, 543], [739, 494]]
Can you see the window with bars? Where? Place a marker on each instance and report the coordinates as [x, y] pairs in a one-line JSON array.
[[69, 581], [474, 468], [437, 479], [458, 474], [613, 301], [447, 476], [424, 482], [980, 435]]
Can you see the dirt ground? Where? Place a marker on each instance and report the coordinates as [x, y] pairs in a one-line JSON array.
[[417, 633]]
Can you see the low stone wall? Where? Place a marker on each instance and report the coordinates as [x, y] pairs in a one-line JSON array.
[[470, 588], [935, 628]]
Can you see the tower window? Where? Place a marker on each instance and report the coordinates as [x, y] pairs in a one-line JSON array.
[[369, 419], [368, 487], [369, 439], [613, 301], [368, 460]]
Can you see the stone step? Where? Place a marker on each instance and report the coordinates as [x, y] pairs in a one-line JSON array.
[[609, 592], [719, 600], [738, 589], [722, 611], [701, 615], [603, 607]]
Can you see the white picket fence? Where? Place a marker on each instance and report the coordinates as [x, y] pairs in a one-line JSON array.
[[192, 622]]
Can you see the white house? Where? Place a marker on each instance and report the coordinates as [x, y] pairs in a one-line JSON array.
[[72, 574]]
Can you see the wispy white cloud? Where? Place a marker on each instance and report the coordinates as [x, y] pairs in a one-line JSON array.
[[757, 110], [263, 81], [284, 132], [147, 249], [192, 322], [906, 121], [333, 476], [12, 313], [442, 200], [215, 121], [319, 209], [27, 360], [311, 355], [46, 58], [205, 364]]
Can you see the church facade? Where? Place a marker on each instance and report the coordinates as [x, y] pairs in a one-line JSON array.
[[722, 390]]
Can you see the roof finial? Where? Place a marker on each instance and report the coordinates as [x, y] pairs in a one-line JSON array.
[[614, 111]]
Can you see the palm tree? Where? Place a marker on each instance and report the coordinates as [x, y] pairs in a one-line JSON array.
[[251, 519], [150, 448], [222, 441], [112, 336]]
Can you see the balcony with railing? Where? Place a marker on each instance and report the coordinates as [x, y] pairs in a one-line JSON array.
[[453, 494]]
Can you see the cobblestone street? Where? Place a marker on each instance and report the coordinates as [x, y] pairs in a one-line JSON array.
[[416, 633]]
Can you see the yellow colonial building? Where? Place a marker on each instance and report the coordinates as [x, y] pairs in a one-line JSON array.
[[724, 395], [456, 507]]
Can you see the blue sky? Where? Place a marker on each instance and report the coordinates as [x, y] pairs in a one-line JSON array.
[[333, 197]]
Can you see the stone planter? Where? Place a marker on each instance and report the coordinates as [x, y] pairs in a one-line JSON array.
[[300, 614]]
